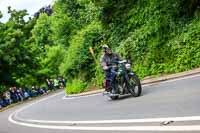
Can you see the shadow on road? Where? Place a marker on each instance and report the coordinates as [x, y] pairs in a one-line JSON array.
[[125, 97]]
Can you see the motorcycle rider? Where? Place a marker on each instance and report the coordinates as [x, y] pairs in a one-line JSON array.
[[107, 60]]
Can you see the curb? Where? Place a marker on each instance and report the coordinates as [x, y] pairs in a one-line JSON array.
[[171, 76], [85, 93], [152, 80]]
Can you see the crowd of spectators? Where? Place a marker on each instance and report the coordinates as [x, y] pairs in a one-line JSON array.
[[18, 94]]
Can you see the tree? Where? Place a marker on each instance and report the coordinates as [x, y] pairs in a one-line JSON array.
[[42, 31], [61, 26], [15, 51], [52, 61]]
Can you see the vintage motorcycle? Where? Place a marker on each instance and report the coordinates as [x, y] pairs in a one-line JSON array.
[[126, 81]]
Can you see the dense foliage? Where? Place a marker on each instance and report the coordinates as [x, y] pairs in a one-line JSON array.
[[157, 36]]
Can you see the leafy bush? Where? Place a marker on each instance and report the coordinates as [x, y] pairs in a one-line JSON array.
[[76, 86], [27, 80], [78, 61], [161, 39], [99, 76], [50, 63]]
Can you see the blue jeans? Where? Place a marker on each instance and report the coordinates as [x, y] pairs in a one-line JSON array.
[[111, 75]]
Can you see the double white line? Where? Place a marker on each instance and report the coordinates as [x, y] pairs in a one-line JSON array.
[[44, 124]]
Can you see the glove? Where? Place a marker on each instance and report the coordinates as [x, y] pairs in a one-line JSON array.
[[105, 67]]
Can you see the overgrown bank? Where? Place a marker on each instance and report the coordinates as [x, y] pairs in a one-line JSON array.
[[157, 36]]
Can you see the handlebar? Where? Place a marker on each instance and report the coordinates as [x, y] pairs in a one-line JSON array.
[[114, 66], [121, 62]]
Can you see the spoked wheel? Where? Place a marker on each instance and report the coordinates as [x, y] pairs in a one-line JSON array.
[[135, 87], [113, 97]]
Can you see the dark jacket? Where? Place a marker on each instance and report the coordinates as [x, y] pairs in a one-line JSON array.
[[107, 60]]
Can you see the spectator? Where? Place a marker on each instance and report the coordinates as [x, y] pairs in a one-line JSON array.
[[16, 93], [21, 91], [64, 82], [42, 91], [26, 95], [56, 83], [33, 92], [3, 102], [20, 94], [7, 97], [13, 95], [48, 83], [45, 90], [61, 85]]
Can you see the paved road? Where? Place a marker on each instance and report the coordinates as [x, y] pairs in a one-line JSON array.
[[175, 103]]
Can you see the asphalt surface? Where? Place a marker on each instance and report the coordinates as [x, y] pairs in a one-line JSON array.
[[98, 114]]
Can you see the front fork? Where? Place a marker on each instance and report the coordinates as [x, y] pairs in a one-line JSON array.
[[128, 82]]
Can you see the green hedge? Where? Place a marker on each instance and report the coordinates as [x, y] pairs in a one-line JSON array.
[[76, 86]]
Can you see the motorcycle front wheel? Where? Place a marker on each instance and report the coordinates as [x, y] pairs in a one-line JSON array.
[[134, 86], [113, 97]]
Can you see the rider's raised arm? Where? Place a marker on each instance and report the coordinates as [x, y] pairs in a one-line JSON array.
[[103, 62]]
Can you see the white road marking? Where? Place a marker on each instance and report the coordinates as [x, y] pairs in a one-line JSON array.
[[30, 123], [147, 120], [118, 128]]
